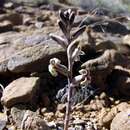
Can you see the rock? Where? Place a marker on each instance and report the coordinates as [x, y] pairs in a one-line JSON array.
[[106, 120], [93, 4], [79, 122], [22, 52], [9, 5], [123, 106], [12, 128], [32, 2], [17, 113], [103, 65], [12, 18], [3, 121], [119, 81], [126, 40], [45, 101], [22, 90], [39, 25], [121, 121], [49, 116], [6, 26], [33, 121], [61, 108], [106, 116], [107, 60]]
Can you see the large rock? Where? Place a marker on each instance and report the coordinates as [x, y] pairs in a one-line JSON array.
[[122, 5], [22, 90], [119, 81], [103, 65], [27, 52], [32, 2], [121, 121]]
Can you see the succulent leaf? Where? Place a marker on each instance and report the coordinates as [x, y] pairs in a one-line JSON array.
[[63, 27], [62, 16], [71, 18], [71, 48], [61, 41], [78, 32]]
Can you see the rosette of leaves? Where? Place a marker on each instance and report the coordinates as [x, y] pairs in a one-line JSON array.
[[73, 49]]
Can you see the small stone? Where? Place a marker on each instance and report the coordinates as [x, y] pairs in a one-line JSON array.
[[59, 114], [117, 102], [9, 5], [102, 95], [33, 121], [49, 116], [78, 122], [61, 108], [78, 107], [12, 128], [6, 26], [39, 25], [43, 110], [3, 121], [96, 97], [94, 107], [111, 99], [17, 113], [27, 20]]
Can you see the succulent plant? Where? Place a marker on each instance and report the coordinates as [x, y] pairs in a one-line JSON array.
[[73, 49]]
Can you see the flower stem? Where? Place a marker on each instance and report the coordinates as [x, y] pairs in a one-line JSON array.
[[68, 106]]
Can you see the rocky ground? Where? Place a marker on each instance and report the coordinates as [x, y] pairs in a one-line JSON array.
[[31, 97]]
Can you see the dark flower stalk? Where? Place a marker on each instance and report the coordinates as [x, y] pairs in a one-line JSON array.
[[73, 51]]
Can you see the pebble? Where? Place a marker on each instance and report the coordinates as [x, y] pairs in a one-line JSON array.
[[61, 108], [3, 121], [39, 25], [9, 5], [79, 122]]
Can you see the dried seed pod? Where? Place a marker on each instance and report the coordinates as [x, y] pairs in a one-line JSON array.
[[78, 33], [61, 41]]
